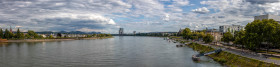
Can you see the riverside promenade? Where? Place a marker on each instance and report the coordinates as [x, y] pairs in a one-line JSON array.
[[244, 53]]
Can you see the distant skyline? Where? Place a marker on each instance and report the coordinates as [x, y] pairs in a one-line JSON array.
[[107, 16]]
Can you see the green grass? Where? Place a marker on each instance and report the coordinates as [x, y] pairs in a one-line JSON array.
[[269, 52], [230, 59], [275, 58]]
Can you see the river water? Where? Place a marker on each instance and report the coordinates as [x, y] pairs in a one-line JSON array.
[[123, 51]]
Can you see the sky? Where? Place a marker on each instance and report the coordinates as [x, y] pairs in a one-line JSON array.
[[107, 16]]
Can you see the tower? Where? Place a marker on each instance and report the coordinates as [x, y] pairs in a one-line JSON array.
[[11, 30], [121, 31]]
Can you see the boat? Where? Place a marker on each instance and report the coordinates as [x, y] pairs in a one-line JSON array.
[[195, 58]]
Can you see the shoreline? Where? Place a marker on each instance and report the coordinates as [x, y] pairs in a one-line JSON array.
[[227, 58], [49, 40]]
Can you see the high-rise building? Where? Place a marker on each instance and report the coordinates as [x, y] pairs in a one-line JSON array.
[[134, 32], [121, 31], [268, 16]]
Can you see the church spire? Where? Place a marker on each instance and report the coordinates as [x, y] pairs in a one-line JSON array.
[[11, 29]]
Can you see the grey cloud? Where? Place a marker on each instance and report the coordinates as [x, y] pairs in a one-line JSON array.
[[262, 1]]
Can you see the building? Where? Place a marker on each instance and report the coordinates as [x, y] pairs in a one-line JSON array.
[[121, 31], [215, 33], [231, 28], [11, 30], [134, 32], [268, 16]]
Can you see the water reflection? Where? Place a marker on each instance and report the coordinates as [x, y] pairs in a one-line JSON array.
[[123, 51]]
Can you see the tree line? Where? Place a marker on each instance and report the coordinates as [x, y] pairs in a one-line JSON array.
[[259, 34], [32, 35], [188, 34], [18, 35]]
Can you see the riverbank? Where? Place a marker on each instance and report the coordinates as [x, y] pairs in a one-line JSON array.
[[47, 40], [227, 58]]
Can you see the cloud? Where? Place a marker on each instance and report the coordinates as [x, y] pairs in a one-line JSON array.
[[262, 1], [133, 15], [69, 21], [181, 2], [202, 10]]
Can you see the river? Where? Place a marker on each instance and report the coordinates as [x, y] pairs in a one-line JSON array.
[[120, 51]]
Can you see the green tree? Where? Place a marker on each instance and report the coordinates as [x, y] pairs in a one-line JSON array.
[[19, 35], [186, 33], [36, 35], [194, 36], [59, 35], [227, 37], [89, 35], [40, 36], [239, 38], [208, 38], [1, 34], [201, 34], [93, 35], [8, 34], [22, 36], [260, 34], [27, 36], [51, 37], [32, 34]]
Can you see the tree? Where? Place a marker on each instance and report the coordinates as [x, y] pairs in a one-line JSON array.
[[239, 38], [59, 35], [186, 33], [1, 34], [208, 38], [263, 33], [227, 37], [22, 36], [32, 34], [19, 35], [36, 35], [51, 37], [93, 35], [27, 36], [40, 37], [194, 36], [108, 35], [8, 34]]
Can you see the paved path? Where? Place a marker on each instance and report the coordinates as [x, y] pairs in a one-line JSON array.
[[244, 53]]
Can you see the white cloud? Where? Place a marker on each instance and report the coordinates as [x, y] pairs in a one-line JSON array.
[[137, 15], [202, 10], [181, 2]]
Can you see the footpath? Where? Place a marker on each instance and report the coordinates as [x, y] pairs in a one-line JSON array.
[[245, 53]]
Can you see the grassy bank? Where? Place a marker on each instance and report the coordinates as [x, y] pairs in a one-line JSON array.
[[230, 59]]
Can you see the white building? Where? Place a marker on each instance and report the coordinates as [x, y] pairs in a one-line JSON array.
[[274, 17], [231, 28]]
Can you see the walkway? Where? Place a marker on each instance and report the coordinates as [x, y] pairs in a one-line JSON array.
[[244, 53]]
